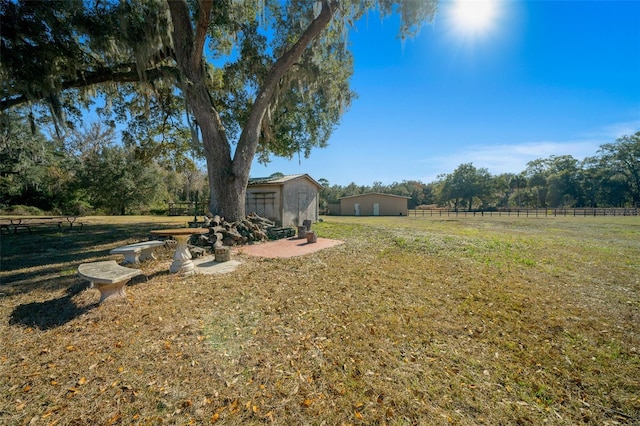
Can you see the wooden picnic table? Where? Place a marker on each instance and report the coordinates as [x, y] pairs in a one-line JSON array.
[[25, 222], [182, 257]]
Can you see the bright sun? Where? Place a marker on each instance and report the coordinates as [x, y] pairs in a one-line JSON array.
[[472, 18]]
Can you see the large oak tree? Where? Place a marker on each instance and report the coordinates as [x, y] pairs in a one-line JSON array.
[[249, 78]]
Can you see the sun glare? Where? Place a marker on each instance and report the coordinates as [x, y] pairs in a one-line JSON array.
[[473, 18]]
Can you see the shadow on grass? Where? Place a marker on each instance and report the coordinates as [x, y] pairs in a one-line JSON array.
[[52, 313], [144, 279], [49, 246], [58, 253]]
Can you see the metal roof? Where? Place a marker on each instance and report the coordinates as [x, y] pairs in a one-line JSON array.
[[280, 180], [375, 193]]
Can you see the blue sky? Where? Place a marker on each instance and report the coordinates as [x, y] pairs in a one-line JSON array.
[[545, 78]]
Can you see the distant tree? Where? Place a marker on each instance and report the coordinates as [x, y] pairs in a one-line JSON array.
[[622, 159], [351, 189], [408, 188], [32, 168], [378, 186], [114, 181], [563, 181], [89, 140], [429, 193], [601, 187], [555, 181], [517, 183], [502, 190], [536, 174], [323, 195], [334, 193], [464, 184]]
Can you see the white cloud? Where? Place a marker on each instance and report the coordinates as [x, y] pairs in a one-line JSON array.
[[513, 158]]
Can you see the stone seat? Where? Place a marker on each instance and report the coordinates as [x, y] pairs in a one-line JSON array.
[[108, 277], [135, 253]]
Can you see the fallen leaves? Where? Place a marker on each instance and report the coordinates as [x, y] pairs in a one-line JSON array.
[[114, 419], [342, 344]]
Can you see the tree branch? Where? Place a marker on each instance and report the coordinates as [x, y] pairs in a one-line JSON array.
[[204, 17], [248, 142], [124, 73]]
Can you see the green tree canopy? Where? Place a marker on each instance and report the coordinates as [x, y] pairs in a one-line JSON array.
[[623, 161], [256, 78], [464, 184]]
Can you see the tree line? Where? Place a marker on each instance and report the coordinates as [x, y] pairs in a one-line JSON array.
[[88, 171], [610, 178]]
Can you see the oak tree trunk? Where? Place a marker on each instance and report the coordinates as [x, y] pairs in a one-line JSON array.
[[228, 177]]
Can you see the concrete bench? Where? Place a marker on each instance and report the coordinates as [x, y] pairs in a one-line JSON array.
[[108, 277], [135, 253]]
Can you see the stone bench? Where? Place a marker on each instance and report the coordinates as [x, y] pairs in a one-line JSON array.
[[108, 277], [135, 253]]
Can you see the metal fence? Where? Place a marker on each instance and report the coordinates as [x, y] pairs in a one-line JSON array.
[[583, 212]]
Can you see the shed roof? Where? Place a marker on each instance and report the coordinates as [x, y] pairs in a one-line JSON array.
[[375, 193], [280, 180]]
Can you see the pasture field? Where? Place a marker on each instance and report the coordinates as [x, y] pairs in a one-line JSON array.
[[412, 321]]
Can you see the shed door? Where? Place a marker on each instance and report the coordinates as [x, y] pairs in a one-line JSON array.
[[357, 209], [376, 209], [302, 208]]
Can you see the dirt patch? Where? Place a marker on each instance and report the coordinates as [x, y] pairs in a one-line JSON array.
[[287, 247]]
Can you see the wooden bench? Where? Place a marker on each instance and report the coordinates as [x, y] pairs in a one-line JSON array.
[[108, 277], [135, 253]]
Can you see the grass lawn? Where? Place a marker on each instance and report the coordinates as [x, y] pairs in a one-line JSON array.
[[466, 321]]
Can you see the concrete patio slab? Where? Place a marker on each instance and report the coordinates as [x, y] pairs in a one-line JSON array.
[[287, 247], [208, 265]]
